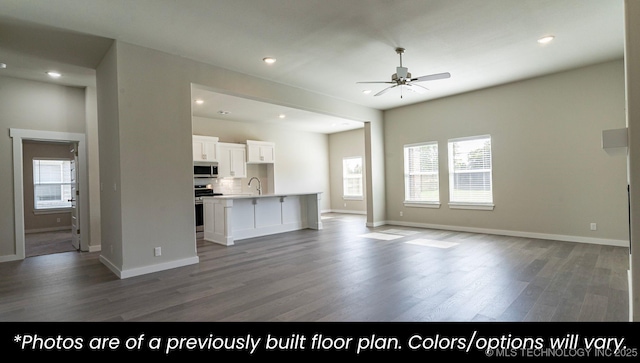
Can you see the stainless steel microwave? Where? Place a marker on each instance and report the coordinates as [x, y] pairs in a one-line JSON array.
[[205, 171]]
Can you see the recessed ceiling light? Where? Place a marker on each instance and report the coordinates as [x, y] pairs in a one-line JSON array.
[[269, 60], [222, 112], [199, 102], [3, 65], [54, 74], [282, 115], [546, 39], [367, 91]]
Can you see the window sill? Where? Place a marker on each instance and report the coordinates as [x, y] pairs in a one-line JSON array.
[[474, 206], [410, 204], [352, 198], [52, 211]]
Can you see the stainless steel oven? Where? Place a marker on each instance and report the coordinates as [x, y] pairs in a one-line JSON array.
[[201, 190]]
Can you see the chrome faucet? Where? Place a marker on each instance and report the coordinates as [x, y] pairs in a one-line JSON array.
[[259, 184]]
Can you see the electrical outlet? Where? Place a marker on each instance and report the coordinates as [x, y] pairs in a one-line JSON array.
[[345, 204], [593, 226], [157, 251], [401, 213]]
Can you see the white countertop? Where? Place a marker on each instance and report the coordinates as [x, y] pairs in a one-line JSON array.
[[247, 196]]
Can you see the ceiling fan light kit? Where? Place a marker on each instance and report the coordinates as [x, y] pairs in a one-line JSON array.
[[402, 78]]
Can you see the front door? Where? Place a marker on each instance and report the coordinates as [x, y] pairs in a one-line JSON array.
[[75, 195]]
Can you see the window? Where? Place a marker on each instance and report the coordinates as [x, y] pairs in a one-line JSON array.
[[421, 185], [51, 184], [470, 184], [352, 178]]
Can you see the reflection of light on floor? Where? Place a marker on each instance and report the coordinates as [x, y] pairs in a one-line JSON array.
[[432, 243], [382, 236], [400, 231]]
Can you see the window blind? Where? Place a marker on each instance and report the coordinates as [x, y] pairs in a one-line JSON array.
[[51, 183], [421, 173], [470, 170], [352, 177]]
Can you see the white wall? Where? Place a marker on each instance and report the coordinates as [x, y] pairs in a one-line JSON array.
[[93, 166], [144, 107], [302, 163], [145, 135], [551, 177], [36, 106], [109, 156], [342, 145], [632, 74]]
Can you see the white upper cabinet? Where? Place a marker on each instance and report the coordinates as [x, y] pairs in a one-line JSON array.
[[260, 152], [205, 148], [232, 160]]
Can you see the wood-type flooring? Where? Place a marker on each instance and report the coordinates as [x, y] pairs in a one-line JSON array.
[[345, 272], [45, 243]]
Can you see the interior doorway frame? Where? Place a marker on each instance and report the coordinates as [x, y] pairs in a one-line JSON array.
[[18, 136]]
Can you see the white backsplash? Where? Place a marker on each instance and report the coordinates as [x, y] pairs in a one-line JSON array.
[[237, 186], [228, 186]]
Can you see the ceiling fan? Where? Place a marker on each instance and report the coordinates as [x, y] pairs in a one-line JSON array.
[[402, 77]]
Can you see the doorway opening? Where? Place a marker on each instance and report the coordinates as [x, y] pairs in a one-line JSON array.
[[40, 192], [49, 185]]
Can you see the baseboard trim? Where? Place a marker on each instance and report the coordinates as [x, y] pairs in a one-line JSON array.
[[9, 258], [123, 274], [376, 224], [105, 261], [49, 229], [501, 232], [346, 211]]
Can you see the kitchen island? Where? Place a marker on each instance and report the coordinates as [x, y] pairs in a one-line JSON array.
[[229, 218]]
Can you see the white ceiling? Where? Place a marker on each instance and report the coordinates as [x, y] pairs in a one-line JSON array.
[[244, 109], [324, 46]]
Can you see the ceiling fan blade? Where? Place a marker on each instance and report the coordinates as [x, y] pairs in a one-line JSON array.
[[432, 77], [416, 88], [385, 90], [389, 82]]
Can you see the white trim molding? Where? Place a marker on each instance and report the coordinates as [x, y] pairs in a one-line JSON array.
[[341, 211], [52, 211], [126, 273], [413, 204], [352, 197], [376, 224], [502, 232], [50, 229], [473, 206], [18, 135]]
